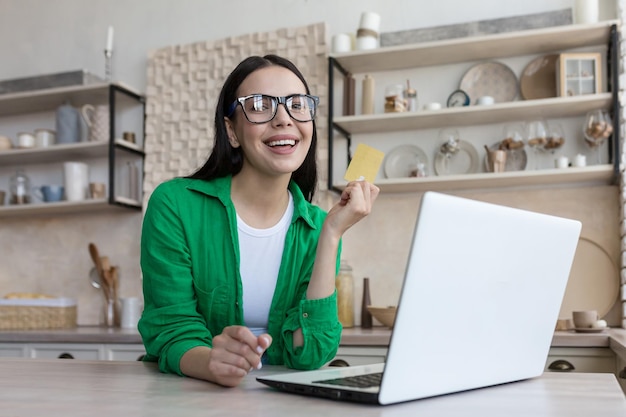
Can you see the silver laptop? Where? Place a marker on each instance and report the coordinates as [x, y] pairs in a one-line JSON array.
[[478, 307]]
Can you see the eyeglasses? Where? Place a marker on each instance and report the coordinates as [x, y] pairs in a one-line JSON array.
[[261, 108]]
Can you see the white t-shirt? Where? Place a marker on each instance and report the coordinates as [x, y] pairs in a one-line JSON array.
[[261, 252]]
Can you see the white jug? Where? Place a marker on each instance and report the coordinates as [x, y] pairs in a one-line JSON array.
[[97, 118]]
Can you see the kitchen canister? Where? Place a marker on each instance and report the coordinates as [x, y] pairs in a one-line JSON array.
[[44, 138], [131, 312], [76, 181], [344, 283], [342, 42]]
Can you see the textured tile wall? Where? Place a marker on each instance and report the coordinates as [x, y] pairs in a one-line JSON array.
[[183, 87]]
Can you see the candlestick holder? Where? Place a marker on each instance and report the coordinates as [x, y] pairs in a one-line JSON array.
[[108, 56]]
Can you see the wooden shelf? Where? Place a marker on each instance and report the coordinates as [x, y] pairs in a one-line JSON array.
[[595, 174], [54, 153], [51, 98], [477, 48], [472, 49], [475, 115], [65, 207]]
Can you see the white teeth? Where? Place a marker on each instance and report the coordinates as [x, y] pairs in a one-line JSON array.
[[282, 142]]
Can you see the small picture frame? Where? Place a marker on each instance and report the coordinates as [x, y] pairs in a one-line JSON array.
[[579, 74]]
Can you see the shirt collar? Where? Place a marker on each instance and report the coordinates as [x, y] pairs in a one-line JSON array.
[[220, 188]]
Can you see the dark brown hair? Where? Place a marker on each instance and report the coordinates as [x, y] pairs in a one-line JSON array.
[[226, 160]]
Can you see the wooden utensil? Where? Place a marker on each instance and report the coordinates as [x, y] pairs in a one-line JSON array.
[[95, 257]]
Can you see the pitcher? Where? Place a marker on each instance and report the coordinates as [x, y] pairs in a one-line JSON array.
[[68, 124], [97, 118]]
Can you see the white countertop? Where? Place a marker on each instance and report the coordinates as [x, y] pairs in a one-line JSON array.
[[56, 387]]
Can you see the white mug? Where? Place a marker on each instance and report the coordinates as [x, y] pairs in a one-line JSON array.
[[25, 140], [485, 101], [580, 160], [131, 311], [76, 181], [561, 162]]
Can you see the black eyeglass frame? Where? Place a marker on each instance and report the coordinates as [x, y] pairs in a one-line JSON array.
[[278, 101]]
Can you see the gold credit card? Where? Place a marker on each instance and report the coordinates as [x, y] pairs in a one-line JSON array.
[[365, 164]]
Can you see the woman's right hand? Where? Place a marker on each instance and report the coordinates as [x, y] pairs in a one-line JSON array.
[[235, 352]]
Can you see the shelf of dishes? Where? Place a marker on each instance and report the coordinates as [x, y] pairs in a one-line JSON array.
[[594, 174], [54, 153], [67, 207], [51, 98], [554, 107], [477, 48]]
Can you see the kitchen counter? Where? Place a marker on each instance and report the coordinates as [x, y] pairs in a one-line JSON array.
[[376, 336], [56, 387]]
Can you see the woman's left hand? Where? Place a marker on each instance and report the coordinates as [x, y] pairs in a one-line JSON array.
[[355, 203]]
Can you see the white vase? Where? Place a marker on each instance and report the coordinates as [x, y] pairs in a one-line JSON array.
[[586, 11]]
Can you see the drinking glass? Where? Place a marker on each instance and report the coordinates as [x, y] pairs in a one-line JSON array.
[[597, 129], [537, 138], [556, 137]]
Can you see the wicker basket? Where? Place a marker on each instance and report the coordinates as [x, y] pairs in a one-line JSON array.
[[29, 314]]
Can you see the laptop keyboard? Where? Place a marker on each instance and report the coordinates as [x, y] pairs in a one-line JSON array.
[[358, 381]]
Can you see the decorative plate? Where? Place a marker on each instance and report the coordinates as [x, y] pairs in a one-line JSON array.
[[490, 79], [465, 161], [593, 282], [402, 160], [538, 80]]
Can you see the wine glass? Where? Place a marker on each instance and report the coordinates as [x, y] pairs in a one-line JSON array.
[[556, 137], [597, 129], [537, 138]]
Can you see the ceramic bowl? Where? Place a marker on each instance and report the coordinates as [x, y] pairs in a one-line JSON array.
[[385, 315]]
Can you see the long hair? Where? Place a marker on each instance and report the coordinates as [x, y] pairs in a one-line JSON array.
[[226, 160]]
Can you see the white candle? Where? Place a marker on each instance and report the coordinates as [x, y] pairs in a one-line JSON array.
[[110, 39]]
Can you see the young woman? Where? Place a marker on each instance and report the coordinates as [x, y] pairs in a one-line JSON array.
[[238, 266]]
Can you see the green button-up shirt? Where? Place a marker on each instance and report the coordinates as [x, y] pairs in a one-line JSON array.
[[192, 283]]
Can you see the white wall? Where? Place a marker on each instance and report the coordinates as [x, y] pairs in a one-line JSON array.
[[47, 36]]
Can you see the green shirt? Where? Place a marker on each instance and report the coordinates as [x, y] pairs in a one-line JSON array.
[[192, 284]]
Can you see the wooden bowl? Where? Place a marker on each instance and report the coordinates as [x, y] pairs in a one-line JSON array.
[[385, 315]]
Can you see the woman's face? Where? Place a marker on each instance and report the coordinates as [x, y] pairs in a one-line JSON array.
[[279, 146]]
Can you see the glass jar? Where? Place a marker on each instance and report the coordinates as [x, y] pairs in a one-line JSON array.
[[410, 95], [394, 99], [345, 295], [20, 188]]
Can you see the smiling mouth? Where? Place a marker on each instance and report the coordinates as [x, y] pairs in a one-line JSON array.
[[283, 142]]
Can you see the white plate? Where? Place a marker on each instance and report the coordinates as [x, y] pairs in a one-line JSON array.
[[465, 161], [402, 160], [490, 79]]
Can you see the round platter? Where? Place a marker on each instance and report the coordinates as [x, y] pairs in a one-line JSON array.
[[490, 79], [402, 160], [465, 161], [538, 80], [593, 282]]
